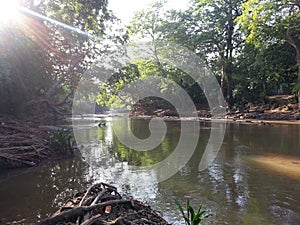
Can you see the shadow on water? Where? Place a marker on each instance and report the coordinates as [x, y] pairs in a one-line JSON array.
[[233, 188], [34, 193]]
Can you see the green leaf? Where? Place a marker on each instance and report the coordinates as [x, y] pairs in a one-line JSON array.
[[179, 206], [191, 211], [182, 212]]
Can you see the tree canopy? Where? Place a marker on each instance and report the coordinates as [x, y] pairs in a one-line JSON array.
[[267, 22], [252, 47], [46, 56]]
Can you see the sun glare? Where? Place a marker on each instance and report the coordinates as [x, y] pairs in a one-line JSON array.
[[9, 10]]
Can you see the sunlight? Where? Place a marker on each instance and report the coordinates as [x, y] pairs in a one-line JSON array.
[[286, 165], [9, 11]]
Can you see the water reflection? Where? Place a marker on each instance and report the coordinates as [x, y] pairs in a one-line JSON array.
[[34, 193], [234, 188]]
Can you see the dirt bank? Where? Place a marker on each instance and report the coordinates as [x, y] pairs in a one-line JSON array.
[[276, 108]]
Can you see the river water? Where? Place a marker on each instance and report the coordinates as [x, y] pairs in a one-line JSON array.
[[236, 188]]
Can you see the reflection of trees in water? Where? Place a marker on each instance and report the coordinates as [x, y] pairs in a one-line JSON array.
[[69, 177], [230, 184], [105, 164], [251, 195], [39, 191], [143, 158], [61, 181], [283, 139]]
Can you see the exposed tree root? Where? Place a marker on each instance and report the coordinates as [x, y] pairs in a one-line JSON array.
[[102, 204]]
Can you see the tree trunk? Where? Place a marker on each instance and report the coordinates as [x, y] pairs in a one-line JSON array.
[[298, 64], [297, 48], [223, 81], [295, 42], [228, 58], [227, 83]]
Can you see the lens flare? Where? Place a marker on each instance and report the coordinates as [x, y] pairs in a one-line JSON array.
[[9, 11]]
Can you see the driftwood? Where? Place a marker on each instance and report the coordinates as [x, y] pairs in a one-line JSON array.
[[102, 204], [23, 144]]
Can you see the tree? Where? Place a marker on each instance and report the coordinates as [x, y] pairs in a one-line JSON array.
[[221, 35], [208, 28], [261, 72], [74, 50], [146, 24], [151, 25], [61, 54], [25, 70], [273, 21]]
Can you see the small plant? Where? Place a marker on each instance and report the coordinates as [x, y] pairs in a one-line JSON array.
[[296, 87], [190, 217], [61, 140]]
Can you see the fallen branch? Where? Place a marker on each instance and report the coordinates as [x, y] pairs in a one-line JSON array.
[[11, 157], [79, 212], [22, 144]]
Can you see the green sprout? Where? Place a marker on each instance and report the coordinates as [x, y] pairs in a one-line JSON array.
[[192, 218]]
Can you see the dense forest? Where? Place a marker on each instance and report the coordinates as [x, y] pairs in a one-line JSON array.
[[252, 47]]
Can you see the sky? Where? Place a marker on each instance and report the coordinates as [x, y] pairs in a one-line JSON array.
[[124, 9]]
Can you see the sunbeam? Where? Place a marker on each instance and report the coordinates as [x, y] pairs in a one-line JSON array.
[[53, 21], [9, 10]]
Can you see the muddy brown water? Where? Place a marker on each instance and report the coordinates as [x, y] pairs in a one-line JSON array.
[[236, 188]]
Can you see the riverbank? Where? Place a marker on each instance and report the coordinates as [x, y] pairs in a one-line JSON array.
[[277, 108], [249, 117], [25, 144], [265, 117]]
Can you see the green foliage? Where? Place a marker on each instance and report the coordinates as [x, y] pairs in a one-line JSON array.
[[41, 60], [296, 87], [73, 51], [208, 28], [269, 21], [86, 15], [25, 71], [152, 24], [147, 23], [264, 71], [109, 90], [61, 140], [192, 217]]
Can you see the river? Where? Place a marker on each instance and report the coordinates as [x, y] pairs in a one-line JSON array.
[[243, 185]]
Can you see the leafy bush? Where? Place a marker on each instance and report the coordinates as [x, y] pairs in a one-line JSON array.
[[296, 87], [61, 140]]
